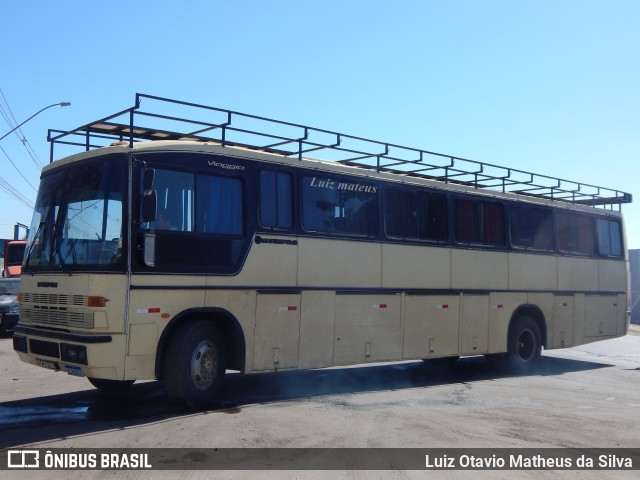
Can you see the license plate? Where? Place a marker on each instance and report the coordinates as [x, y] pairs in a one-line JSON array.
[[75, 371], [46, 364]]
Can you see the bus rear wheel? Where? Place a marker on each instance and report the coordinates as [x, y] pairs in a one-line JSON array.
[[524, 345], [194, 364]]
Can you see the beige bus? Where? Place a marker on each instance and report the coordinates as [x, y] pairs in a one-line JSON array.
[[235, 242]]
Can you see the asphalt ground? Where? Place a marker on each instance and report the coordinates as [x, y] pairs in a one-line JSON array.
[[582, 397]]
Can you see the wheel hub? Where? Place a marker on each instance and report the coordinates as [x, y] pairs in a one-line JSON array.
[[526, 345], [203, 365]]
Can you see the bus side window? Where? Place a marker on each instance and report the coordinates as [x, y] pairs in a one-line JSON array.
[[220, 205], [609, 238], [479, 221], [492, 223], [531, 227], [174, 191], [432, 216], [339, 205], [400, 214], [466, 225], [576, 233], [276, 200], [421, 215]]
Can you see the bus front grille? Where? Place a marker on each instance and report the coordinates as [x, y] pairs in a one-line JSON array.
[[54, 299], [56, 316], [46, 349]]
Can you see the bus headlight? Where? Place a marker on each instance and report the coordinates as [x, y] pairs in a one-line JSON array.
[[73, 353]]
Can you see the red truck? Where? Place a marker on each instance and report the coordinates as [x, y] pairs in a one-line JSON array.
[[13, 255]]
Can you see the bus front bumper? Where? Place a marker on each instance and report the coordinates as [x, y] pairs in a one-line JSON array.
[[96, 356]]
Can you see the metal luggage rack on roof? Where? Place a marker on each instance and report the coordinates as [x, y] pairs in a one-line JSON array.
[[229, 128]]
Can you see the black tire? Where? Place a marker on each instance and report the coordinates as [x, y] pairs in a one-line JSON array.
[[524, 345], [111, 386], [194, 364]]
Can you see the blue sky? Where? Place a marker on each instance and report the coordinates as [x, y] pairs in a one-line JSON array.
[[546, 86]]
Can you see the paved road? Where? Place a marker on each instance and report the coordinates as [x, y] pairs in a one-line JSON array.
[[587, 396]]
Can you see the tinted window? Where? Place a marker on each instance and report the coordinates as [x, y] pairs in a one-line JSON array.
[[467, 223], [200, 222], [433, 221], [175, 200], [479, 221], [400, 215], [341, 205], [276, 200], [609, 238], [576, 233], [420, 215], [531, 227], [220, 205]]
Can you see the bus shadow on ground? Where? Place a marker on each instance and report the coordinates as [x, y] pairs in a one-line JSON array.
[[34, 420]]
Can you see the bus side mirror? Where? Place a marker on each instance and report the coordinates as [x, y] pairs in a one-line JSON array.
[[147, 179], [149, 206]]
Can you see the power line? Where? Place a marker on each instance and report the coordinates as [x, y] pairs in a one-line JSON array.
[[6, 186], [23, 139], [11, 121], [18, 170]]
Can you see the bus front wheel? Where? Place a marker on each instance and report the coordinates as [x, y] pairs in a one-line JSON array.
[[194, 364], [524, 345]]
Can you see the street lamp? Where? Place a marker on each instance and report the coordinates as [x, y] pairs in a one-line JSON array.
[[62, 104]]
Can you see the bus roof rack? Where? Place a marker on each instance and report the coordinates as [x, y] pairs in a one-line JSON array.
[[229, 128]]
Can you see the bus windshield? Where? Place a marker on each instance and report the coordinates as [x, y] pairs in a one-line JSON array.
[[77, 221]]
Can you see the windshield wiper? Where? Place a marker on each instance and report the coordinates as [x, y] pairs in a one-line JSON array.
[[57, 251], [72, 250]]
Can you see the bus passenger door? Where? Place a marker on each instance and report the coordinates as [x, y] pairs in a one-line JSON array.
[[277, 332]]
